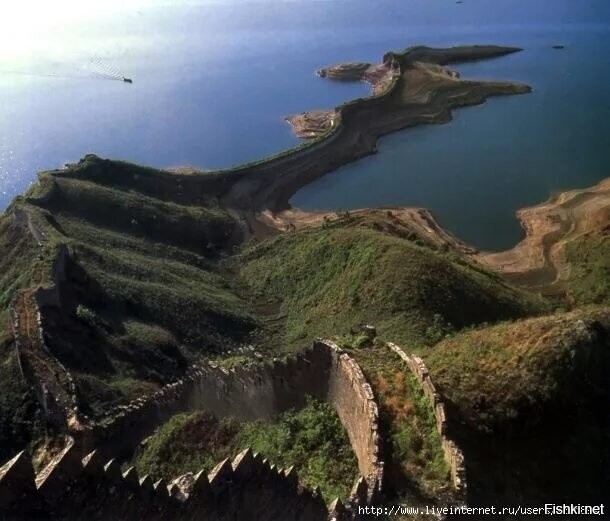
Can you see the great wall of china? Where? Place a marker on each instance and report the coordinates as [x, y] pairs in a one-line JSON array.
[[84, 481], [453, 454], [248, 487]]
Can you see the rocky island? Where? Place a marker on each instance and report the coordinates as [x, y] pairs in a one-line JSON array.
[[133, 299]]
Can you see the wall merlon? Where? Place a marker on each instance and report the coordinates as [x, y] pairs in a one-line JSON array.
[[244, 463], [359, 491], [220, 475], [93, 463], [112, 470], [201, 485], [291, 476], [130, 477], [147, 485], [63, 468], [161, 488], [336, 509], [174, 492], [17, 479]]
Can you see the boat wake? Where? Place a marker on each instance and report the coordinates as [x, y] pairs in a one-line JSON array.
[[96, 68], [100, 68]]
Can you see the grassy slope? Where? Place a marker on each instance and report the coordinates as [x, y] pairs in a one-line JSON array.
[[415, 466], [144, 295], [589, 257], [528, 402], [312, 439], [20, 425], [329, 279], [147, 294], [18, 258]]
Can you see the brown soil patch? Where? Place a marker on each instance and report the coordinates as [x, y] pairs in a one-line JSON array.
[[538, 261]]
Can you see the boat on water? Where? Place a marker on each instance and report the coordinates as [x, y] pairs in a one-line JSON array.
[[127, 80]]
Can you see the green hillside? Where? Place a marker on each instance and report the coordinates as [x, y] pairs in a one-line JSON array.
[[529, 405], [329, 279]]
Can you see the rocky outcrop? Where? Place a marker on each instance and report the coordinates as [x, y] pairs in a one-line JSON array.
[[453, 455], [378, 76], [345, 71], [313, 124]]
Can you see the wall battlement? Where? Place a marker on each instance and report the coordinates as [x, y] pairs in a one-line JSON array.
[[453, 454], [247, 488], [323, 371]]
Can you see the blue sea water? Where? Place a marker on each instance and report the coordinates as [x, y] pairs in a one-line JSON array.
[[214, 79]]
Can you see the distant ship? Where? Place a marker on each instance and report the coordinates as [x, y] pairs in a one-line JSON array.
[[127, 80]]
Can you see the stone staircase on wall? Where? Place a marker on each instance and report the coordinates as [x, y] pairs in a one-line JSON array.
[[51, 381]]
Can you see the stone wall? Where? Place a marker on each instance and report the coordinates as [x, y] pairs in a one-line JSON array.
[[249, 393], [246, 488], [453, 454], [51, 295]]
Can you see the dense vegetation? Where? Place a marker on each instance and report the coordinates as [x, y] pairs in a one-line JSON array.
[[589, 258], [331, 278], [20, 422], [18, 263], [159, 276], [529, 404], [144, 294], [311, 439]]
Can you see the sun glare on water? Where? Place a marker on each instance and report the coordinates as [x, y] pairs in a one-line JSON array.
[[28, 27]]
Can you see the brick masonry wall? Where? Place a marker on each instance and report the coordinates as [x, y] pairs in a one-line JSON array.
[[248, 393]]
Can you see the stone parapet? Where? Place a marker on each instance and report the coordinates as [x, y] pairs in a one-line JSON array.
[[245, 488], [453, 455], [242, 489]]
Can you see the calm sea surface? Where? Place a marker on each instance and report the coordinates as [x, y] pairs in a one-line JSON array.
[[213, 81]]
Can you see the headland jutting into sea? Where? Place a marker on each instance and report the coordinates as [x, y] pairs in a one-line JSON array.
[[119, 279], [410, 88], [418, 89]]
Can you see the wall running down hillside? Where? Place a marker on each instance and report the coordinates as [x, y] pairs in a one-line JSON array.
[[249, 393], [233, 489], [453, 454]]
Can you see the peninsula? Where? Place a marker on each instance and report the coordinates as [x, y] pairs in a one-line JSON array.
[[133, 300]]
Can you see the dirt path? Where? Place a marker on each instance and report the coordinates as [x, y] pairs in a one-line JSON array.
[[41, 369]]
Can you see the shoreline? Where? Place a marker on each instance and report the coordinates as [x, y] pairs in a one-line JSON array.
[[423, 91], [537, 262]]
